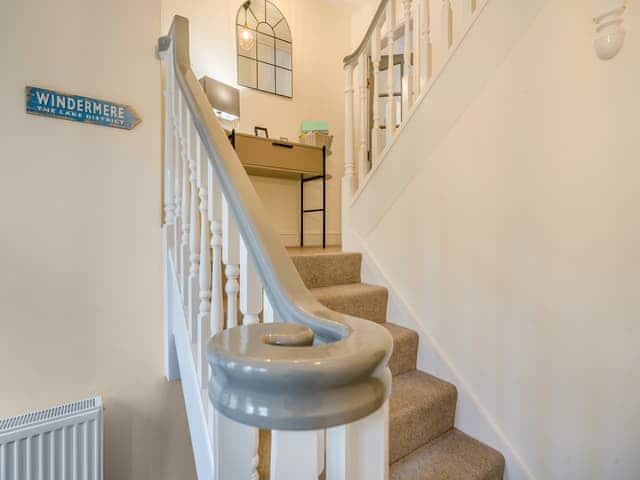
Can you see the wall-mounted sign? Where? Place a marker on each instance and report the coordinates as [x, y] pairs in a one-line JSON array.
[[80, 109]]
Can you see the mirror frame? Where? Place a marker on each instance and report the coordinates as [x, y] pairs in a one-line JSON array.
[[247, 7]]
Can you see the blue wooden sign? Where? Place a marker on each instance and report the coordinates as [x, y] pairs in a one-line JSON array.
[[80, 109]]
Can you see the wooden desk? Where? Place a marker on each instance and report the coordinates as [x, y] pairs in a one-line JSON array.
[[267, 157]]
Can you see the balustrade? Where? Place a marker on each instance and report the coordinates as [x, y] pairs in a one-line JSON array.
[[228, 284], [394, 67]]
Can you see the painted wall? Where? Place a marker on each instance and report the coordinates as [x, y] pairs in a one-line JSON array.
[[80, 269], [320, 31], [516, 244]]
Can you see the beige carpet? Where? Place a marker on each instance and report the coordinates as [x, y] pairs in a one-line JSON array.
[[423, 443]]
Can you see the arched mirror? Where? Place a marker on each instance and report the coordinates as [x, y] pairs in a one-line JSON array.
[[264, 48]]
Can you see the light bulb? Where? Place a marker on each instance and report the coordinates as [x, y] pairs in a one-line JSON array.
[[246, 39]]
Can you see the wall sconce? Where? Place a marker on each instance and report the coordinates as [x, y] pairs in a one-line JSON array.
[[609, 17]]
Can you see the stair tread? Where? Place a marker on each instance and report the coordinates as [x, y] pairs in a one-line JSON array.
[[357, 299], [327, 269], [405, 348], [452, 456], [421, 408]]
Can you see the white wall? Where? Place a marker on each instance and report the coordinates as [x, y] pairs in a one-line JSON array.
[[361, 17], [320, 31], [516, 244], [80, 268]]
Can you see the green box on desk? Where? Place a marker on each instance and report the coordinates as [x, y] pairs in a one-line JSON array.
[[317, 126]]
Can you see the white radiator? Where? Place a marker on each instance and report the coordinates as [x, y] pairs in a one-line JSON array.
[[60, 443]]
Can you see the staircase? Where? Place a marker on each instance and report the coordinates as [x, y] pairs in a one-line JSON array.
[[296, 375], [423, 443]]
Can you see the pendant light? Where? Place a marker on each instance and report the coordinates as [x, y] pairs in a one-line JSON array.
[[246, 38]]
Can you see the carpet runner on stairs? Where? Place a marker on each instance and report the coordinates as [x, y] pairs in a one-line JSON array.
[[423, 443]]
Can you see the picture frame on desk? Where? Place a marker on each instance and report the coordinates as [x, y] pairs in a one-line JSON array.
[[261, 132]]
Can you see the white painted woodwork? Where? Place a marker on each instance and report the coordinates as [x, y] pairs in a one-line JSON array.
[[268, 314], [407, 73], [186, 216], [294, 455], [215, 218], [375, 61], [204, 279], [194, 231], [251, 294], [416, 47], [363, 115], [250, 288], [349, 167], [446, 30], [200, 438], [171, 157], [169, 152], [462, 12], [391, 116], [425, 43], [216, 320], [177, 190], [235, 447], [360, 450], [231, 259]]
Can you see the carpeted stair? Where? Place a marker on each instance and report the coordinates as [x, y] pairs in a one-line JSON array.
[[423, 443]]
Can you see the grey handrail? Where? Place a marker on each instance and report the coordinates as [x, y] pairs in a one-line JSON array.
[[353, 57], [318, 369]]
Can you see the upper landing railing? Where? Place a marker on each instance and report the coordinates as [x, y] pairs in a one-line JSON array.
[[243, 332], [406, 46]]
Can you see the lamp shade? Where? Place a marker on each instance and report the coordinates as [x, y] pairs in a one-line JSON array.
[[224, 98]]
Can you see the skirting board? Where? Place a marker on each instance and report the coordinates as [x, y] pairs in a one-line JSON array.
[[471, 416], [310, 239]]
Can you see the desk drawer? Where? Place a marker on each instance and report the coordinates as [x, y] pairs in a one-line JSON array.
[[271, 154]]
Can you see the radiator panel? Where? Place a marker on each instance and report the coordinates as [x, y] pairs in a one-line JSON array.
[[60, 443]]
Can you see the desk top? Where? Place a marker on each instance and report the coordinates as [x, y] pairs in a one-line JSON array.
[[268, 157]]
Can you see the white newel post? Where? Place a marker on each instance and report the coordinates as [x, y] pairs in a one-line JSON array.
[[425, 43], [363, 117], [295, 455], [360, 450], [231, 259], [375, 61], [407, 77], [172, 370], [194, 233], [391, 100], [204, 280]]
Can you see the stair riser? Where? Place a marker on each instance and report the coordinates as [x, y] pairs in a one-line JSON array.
[[328, 269], [422, 409], [405, 349], [370, 305]]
